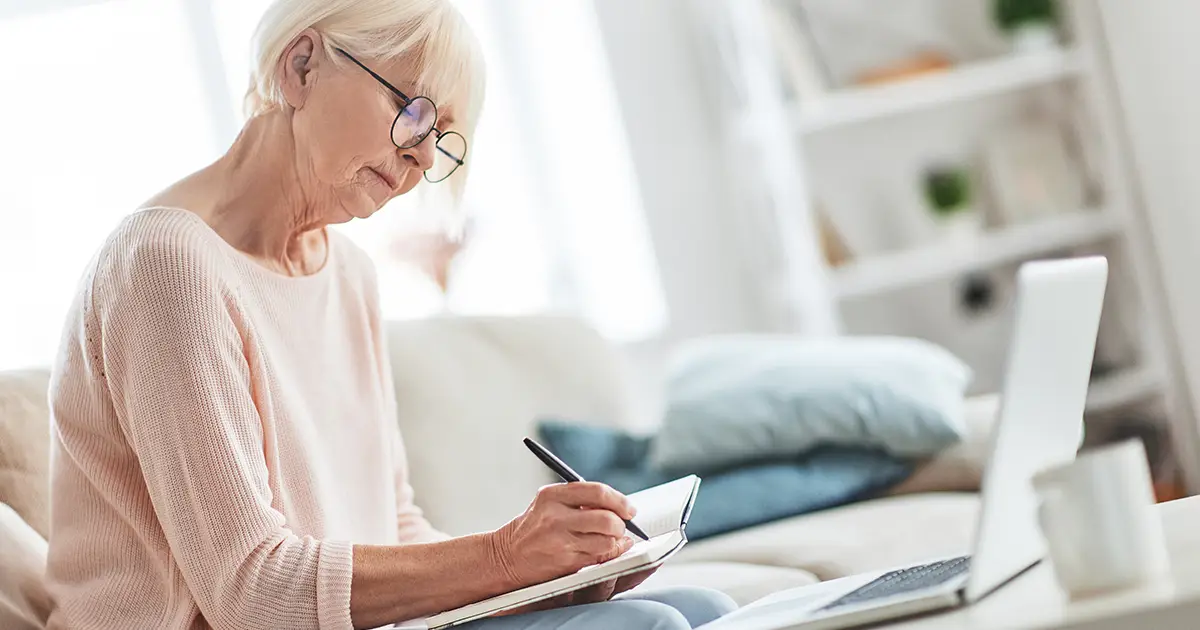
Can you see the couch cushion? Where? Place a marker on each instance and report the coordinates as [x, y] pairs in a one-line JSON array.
[[24, 603], [743, 582], [25, 446], [468, 389], [851, 539]]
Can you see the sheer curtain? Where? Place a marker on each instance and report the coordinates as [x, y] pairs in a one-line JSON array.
[[132, 94]]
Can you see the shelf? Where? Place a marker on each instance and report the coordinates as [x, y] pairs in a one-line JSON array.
[[970, 81], [1122, 388], [909, 268]]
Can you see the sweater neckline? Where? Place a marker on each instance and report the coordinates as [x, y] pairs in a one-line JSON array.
[[257, 267]]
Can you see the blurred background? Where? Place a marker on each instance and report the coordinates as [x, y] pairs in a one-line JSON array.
[[672, 169]]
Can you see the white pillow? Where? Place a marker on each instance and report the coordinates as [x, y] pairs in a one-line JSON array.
[[24, 602], [740, 399]]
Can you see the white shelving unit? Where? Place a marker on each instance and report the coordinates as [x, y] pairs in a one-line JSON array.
[[1111, 392], [904, 269], [973, 81], [742, 31], [855, 105]]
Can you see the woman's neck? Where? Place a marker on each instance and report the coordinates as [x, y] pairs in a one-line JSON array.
[[253, 198]]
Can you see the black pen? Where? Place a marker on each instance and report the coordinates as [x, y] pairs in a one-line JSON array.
[[564, 471]]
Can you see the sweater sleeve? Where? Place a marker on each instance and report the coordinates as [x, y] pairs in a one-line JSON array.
[[175, 362]]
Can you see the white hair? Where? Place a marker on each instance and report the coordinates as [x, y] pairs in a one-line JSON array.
[[431, 32]]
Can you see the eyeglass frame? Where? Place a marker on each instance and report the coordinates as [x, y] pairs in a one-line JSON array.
[[458, 161]]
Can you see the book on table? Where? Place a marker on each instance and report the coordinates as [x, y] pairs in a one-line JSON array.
[[662, 512]]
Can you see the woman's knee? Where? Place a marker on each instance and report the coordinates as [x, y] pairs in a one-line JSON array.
[[644, 615], [697, 604]]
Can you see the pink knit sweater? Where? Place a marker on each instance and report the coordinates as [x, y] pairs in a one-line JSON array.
[[223, 434]]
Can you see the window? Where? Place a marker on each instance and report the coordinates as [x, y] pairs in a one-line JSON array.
[[138, 93], [91, 124]]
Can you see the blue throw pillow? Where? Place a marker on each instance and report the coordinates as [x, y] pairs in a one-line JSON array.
[[736, 498], [594, 451], [744, 399]]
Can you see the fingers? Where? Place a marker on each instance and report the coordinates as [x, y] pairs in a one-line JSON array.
[[573, 525], [587, 494], [596, 522], [596, 548], [581, 521]]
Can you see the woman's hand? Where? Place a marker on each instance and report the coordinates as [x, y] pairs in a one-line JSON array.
[[567, 527], [602, 592], [591, 595]]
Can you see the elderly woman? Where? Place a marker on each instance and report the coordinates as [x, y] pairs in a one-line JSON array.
[[225, 450]]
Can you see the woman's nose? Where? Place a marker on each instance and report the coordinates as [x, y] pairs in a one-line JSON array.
[[421, 156]]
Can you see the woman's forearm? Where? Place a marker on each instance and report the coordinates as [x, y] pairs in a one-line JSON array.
[[398, 583]]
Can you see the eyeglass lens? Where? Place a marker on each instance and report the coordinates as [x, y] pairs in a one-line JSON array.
[[414, 122], [448, 155]]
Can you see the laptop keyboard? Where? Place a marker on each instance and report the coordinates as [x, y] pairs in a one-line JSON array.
[[904, 581]]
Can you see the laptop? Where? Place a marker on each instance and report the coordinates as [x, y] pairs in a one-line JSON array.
[[1040, 424]]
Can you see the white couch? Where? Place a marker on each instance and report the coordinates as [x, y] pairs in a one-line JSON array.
[[470, 388]]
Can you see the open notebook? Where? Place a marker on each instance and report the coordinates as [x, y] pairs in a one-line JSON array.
[[662, 513]]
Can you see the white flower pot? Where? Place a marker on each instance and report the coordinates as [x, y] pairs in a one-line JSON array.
[[963, 225], [1033, 38]]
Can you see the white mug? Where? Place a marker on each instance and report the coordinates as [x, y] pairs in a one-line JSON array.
[[1101, 528]]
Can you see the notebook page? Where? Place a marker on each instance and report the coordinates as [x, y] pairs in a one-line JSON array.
[[660, 509], [658, 522]]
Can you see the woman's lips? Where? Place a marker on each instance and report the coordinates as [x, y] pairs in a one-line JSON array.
[[387, 180]]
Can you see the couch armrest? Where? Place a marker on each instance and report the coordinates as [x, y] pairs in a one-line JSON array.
[[25, 446], [24, 601], [469, 388]]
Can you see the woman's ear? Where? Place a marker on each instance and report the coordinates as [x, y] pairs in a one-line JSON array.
[[299, 65]]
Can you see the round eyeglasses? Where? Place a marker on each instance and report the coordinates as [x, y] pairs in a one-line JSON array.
[[414, 122]]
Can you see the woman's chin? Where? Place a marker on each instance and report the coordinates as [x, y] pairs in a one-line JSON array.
[[362, 203], [366, 212], [372, 200], [363, 209]]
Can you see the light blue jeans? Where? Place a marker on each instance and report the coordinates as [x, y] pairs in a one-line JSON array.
[[663, 609]]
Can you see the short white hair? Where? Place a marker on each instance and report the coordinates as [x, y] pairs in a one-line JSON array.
[[431, 32]]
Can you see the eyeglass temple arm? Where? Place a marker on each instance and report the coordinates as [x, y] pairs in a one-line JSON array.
[[378, 78], [450, 155]]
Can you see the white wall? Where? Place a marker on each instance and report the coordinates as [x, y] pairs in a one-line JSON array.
[[1155, 53]]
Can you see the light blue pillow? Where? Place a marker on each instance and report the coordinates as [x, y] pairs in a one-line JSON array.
[[740, 399]]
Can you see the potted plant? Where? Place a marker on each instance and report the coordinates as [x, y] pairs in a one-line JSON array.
[[948, 194], [1030, 24]]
